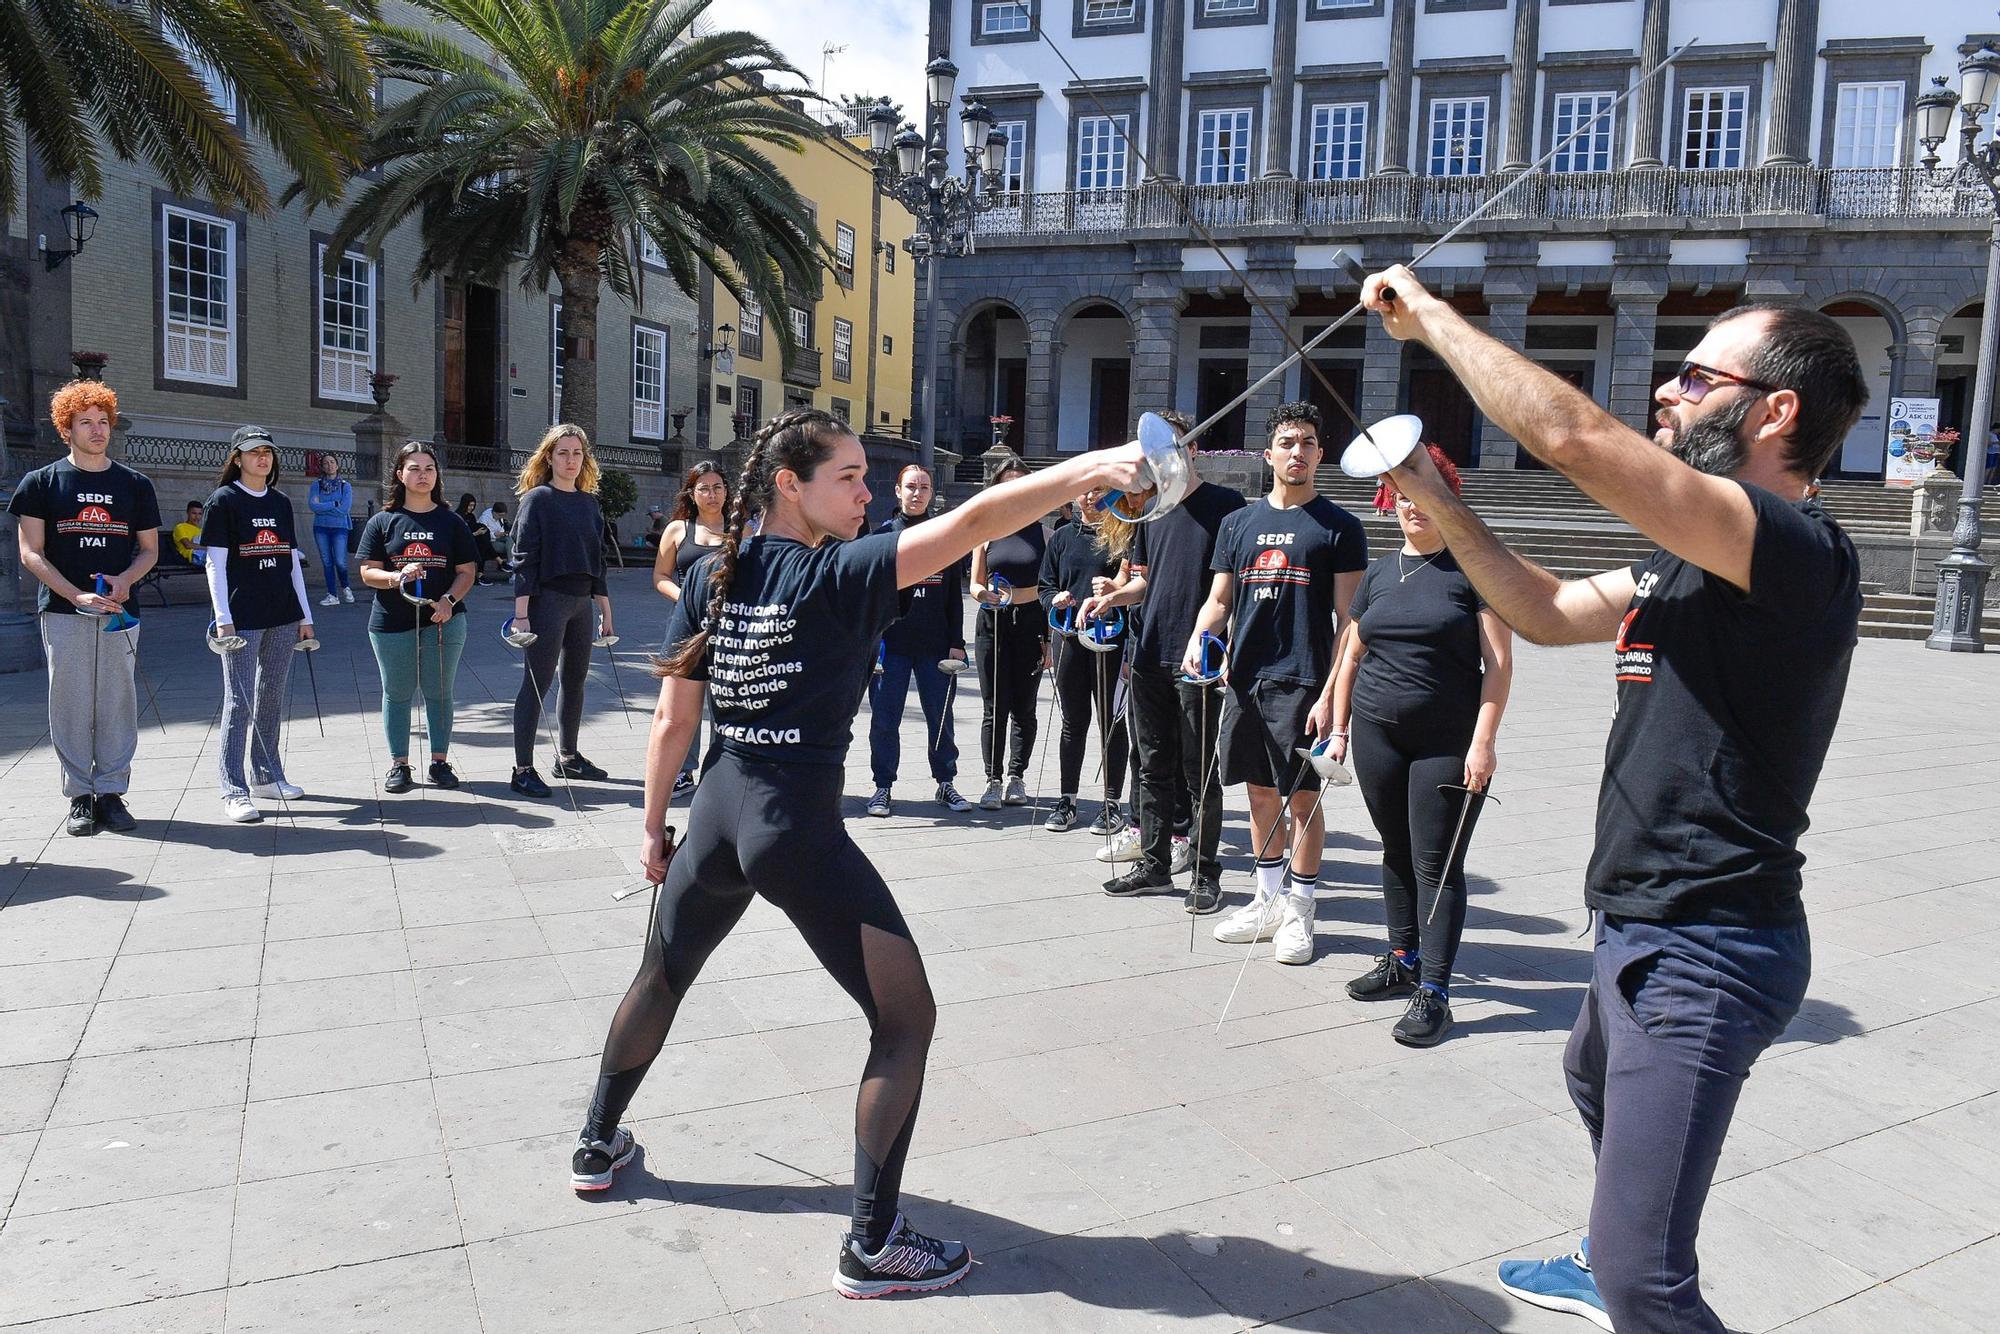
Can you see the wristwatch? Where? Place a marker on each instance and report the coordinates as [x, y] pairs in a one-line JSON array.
[[449, 599]]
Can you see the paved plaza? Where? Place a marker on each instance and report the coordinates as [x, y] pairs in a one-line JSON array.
[[324, 1073]]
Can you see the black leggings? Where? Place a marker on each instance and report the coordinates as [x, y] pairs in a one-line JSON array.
[[1010, 673], [1081, 678], [565, 624], [756, 828], [1399, 767]]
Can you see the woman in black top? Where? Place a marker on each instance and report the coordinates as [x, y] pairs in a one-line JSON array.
[[1011, 639], [781, 630], [694, 531], [482, 541], [1422, 682], [559, 594], [414, 542], [1075, 560]]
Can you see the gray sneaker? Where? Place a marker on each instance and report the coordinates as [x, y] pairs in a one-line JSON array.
[[1017, 792], [1109, 819], [950, 798], [878, 805], [989, 800]]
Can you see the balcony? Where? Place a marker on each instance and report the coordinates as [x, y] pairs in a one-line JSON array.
[[802, 368], [1288, 208]]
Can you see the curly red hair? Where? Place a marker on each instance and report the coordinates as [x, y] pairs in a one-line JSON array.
[[1385, 495], [80, 396]]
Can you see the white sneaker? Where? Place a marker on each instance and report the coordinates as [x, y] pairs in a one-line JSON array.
[[1124, 848], [240, 810], [1294, 941], [330, 600], [1255, 920], [1183, 855], [278, 791], [347, 595]]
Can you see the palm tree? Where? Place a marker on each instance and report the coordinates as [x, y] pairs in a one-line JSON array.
[[80, 77], [599, 125]]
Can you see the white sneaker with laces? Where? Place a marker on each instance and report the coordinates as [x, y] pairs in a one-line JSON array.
[[241, 810], [347, 595], [330, 600], [1183, 855], [1124, 848], [1294, 940], [278, 791], [1255, 920]]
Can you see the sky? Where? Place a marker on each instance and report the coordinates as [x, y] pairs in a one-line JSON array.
[[885, 43]]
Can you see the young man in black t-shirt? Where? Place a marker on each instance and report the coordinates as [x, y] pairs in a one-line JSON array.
[[1730, 646], [83, 517], [1285, 571]]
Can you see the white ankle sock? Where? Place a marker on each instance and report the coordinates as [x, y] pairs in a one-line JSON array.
[[1270, 880]]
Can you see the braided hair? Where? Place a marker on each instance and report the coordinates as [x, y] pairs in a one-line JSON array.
[[800, 441]]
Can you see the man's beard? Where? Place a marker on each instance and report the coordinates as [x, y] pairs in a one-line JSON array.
[[1713, 442]]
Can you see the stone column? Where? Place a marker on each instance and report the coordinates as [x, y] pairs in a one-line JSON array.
[[1270, 269], [1381, 355], [1044, 398], [1280, 114], [1508, 292], [1650, 103], [1523, 74], [1401, 86], [1776, 259], [1156, 330], [1163, 120], [1919, 363], [1638, 282], [1792, 83]]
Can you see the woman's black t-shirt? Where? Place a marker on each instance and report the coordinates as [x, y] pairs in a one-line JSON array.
[[791, 653], [1074, 558], [437, 538], [257, 533], [1422, 636], [1017, 558]]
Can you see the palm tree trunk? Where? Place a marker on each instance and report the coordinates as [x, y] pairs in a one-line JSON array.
[[577, 271]]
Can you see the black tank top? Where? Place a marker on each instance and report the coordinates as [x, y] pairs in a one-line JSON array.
[[690, 551]]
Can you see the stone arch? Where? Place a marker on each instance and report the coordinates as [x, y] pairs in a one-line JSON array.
[[1089, 376]]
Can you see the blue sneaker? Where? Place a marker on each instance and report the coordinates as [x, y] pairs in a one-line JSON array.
[[1562, 1283]]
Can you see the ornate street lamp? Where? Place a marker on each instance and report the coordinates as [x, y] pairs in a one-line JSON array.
[[80, 224]]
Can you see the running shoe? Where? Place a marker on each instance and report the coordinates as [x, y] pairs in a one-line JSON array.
[[908, 1262], [575, 766], [442, 774], [950, 798], [592, 1165], [398, 779], [1109, 819], [82, 821], [347, 595], [241, 810], [1017, 792], [112, 815], [1426, 1022], [1205, 896], [1124, 848], [330, 600], [1255, 920], [684, 782], [989, 800], [878, 805], [1293, 943], [1183, 854], [1138, 881], [528, 783], [1562, 1283], [1389, 979], [1063, 817], [278, 791]]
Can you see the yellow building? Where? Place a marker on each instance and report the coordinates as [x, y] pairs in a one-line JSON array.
[[855, 355]]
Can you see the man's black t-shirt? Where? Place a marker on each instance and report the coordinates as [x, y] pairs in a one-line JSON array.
[[1074, 558], [790, 655], [1727, 702], [91, 521], [259, 537], [933, 619], [1173, 553], [1422, 637], [1285, 560], [1017, 558], [437, 538]]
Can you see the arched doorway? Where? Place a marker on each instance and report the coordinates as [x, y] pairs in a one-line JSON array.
[[1094, 403], [1874, 329], [992, 380]]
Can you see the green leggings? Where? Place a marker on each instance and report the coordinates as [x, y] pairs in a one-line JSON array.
[[397, 658]]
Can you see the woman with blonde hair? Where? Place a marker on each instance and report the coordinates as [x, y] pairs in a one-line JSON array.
[[559, 596]]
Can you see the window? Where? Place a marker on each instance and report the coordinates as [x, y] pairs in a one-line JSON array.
[[555, 358], [220, 89], [1100, 152], [1712, 133], [1014, 174], [1222, 147], [649, 253], [1218, 8], [198, 296], [750, 330], [802, 327], [750, 402], [1000, 17], [888, 345], [1868, 125], [649, 382], [842, 409], [1591, 149], [888, 257], [346, 326], [843, 349], [843, 254], [1458, 136], [1339, 139], [1325, 5], [1106, 11]]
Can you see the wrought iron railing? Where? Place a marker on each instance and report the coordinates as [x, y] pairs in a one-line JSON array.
[[171, 451]]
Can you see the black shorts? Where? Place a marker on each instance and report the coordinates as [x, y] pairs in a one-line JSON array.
[[1262, 728]]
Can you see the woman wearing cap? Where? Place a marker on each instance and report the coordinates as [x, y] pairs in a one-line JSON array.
[[257, 591], [1421, 684], [414, 538]]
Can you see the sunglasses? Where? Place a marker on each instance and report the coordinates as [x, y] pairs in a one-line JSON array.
[[1695, 380]]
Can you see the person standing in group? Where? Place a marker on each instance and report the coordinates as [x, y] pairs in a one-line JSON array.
[[781, 629], [482, 540], [413, 539], [1284, 568], [1730, 647], [331, 500], [257, 592], [700, 512], [1165, 578], [1084, 679], [930, 631], [560, 595], [1423, 678], [187, 534], [83, 518], [1012, 636]]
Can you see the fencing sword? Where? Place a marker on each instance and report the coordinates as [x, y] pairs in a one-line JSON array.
[[521, 638], [117, 623], [1285, 822], [1103, 636], [953, 668], [422, 607], [310, 647], [1001, 587], [1465, 809], [606, 642], [1062, 629], [1213, 657]]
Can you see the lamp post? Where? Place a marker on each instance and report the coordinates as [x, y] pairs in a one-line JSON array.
[[919, 178], [79, 224], [1962, 575]]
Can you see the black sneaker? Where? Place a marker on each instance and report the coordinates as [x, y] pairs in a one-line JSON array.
[[442, 774], [1426, 1022], [592, 1165], [578, 767], [908, 1262], [1109, 819], [1139, 880], [1063, 817], [398, 779], [683, 782], [1205, 897], [82, 820], [112, 815], [529, 783], [1389, 979]]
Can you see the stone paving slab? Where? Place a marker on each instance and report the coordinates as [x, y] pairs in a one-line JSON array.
[[323, 1073]]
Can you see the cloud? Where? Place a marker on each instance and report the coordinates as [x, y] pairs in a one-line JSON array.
[[885, 43]]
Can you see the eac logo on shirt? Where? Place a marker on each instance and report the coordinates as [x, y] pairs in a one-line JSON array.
[[94, 514], [268, 538]]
